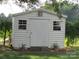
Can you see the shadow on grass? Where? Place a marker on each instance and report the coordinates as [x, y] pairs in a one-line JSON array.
[[32, 55], [11, 55], [27, 55]]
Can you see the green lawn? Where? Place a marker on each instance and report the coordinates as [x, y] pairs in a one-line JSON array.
[[38, 55], [35, 55], [76, 44]]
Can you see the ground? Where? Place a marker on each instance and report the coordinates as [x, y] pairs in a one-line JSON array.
[[10, 54]]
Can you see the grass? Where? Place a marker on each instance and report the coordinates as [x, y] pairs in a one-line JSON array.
[[35, 55], [39, 55], [76, 44]]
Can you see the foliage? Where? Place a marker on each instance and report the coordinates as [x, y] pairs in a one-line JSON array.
[[72, 21], [5, 27], [70, 33], [31, 1], [71, 10], [37, 55], [55, 6]]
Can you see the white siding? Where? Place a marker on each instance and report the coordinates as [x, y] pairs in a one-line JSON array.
[[20, 37], [56, 36]]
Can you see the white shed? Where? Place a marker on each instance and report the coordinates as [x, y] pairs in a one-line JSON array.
[[38, 28]]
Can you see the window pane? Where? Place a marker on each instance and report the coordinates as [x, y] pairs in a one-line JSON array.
[[24, 21], [56, 28], [20, 21], [56, 23], [22, 26]]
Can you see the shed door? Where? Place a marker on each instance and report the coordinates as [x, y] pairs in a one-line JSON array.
[[39, 36]]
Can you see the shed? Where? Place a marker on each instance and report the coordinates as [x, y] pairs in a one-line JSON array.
[[38, 28]]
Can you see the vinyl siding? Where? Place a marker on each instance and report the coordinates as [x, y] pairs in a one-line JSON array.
[[56, 36], [20, 37]]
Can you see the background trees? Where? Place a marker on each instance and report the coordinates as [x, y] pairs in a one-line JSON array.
[[72, 21], [5, 27]]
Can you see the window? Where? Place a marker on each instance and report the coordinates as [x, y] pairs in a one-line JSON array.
[[22, 24], [56, 25]]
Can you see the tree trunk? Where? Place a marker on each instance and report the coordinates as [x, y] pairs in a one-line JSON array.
[[4, 37], [9, 39]]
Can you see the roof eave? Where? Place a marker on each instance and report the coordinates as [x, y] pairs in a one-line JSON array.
[[44, 10]]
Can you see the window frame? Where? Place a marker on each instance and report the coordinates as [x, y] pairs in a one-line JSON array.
[[22, 24], [56, 26]]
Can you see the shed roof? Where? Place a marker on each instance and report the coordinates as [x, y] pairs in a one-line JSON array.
[[35, 10]]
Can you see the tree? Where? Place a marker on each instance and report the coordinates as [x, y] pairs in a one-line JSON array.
[[76, 25], [30, 3], [72, 29], [72, 33], [5, 26], [55, 6], [9, 28]]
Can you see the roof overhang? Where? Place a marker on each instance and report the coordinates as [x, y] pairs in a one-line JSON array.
[[35, 10]]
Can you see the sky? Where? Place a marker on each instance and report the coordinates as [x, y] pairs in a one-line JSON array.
[[12, 8], [9, 8]]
